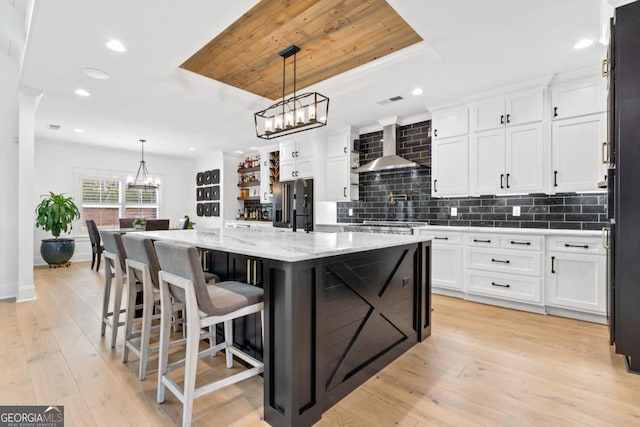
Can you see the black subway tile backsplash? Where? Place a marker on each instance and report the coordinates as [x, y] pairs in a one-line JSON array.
[[559, 211]]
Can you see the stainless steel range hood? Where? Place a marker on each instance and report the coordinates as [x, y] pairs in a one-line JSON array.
[[389, 159]]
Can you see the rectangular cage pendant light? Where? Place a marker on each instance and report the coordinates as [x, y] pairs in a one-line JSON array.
[[294, 114]]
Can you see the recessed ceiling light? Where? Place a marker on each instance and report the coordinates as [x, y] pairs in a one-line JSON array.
[[584, 43], [192, 148], [78, 130], [417, 91], [116, 45], [239, 152], [82, 92], [94, 73]]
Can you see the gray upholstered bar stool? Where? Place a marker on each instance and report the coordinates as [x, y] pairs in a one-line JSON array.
[[142, 262], [115, 270], [181, 277]]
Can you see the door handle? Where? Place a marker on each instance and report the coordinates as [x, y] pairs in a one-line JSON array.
[[265, 163], [605, 68], [553, 265], [568, 245], [481, 241], [501, 180], [508, 118], [605, 237], [344, 192], [504, 261], [297, 153], [555, 111], [435, 185], [508, 177], [605, 153], [498, 284], [502, 119], [345, 150], [265, 195], [515, 242], [435, 133], [255, 272], [555, 178]]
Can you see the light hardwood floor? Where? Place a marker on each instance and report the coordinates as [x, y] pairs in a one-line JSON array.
[[482, 366]]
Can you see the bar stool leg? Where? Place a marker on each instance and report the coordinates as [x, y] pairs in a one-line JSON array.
[[165, 331], [117, 302], [105, 298], [129, 317], [147, 313], [228, 340], [190, 368]]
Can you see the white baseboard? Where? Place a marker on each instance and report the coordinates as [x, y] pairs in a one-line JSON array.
[[507, 304], [579, 315], [447, 292]]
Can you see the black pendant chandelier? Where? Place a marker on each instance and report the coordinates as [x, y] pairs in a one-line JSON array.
[[142, 181], [295, 114]]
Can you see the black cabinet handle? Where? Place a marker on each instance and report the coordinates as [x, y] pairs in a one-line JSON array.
[[481, 241], [498, 284], [502, 119], [501, 180], [508, 118], [508, 178], [435, 133], [555, 111], [514, 242], [504, 261], [435, 185], [441, 238], [553, 265], [265, 195], [345, 150], [297, 153], [344, 192], [265, 163], [293, 174], [568, 245], [293, 154], [555, 178]]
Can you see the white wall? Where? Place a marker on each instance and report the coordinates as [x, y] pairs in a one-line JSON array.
[[59, 164], [8, 177]]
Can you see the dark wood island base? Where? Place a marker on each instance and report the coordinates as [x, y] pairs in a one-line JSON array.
[[332, 323]]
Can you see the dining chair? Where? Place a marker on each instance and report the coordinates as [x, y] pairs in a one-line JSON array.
[[126, 222], [157, 224], [182, 279], [96, 245]]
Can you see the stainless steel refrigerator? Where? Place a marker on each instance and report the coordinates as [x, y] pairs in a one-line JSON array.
[[283, 204], [623, 234]]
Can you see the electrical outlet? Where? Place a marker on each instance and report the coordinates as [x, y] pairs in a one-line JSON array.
[[454, 211], [350, 212], [516, 211]]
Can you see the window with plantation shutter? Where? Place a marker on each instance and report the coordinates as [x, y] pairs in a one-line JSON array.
[[105, 200]]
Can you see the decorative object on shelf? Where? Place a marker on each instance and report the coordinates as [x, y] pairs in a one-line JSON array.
[[215, 192], [199, 194], [215, 209], [200, 209], [207, 209], [207, 177], [294, 114], [200, 179], [215, 176], [143, 180], [207, 193], [55, 213]]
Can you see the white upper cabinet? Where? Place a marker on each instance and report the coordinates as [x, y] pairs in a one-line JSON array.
[[511, 110], [524, 159], [578, 98], [487, 162], [450, 167], [450, 122], [297, 159], [576, 153], [342, 182]]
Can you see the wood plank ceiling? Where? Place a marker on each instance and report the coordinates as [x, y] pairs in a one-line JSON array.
[[334, 36]]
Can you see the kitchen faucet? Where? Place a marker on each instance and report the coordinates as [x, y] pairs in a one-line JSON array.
[[304, 204]]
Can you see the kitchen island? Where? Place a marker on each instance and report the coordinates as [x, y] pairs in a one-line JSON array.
[[338, 307]]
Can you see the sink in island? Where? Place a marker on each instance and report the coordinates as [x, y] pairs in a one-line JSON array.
[[338, 308]]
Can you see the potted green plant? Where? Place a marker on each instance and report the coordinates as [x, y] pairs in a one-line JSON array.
[[55, 213]]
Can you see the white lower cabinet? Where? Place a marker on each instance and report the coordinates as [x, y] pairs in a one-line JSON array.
[[576, 275], [558, 274], [446, 261]]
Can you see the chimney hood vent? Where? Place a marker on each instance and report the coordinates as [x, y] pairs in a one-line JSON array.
[[389, 159]]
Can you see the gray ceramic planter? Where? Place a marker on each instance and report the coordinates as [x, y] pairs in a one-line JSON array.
[[57, 251]]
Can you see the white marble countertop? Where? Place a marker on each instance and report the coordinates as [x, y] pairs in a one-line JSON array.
[[500, 230], [282, 245]]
